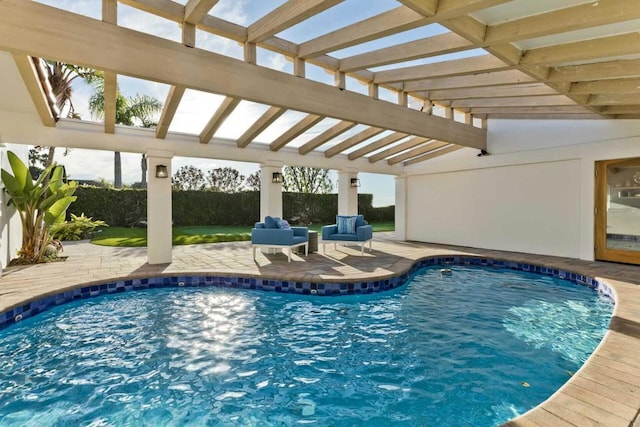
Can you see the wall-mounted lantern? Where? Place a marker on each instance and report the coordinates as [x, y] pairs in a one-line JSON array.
[[277, 178], [355, 182], [161, 171]]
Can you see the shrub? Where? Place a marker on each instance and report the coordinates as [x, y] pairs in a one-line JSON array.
[[79, 228], [128, 207], [40, 204]]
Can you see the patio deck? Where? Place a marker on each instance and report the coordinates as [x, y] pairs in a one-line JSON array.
[[606, 391]]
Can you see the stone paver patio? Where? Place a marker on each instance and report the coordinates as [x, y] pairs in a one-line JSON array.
[[606, 391]]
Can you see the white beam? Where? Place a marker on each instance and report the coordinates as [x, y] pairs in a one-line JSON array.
[[144, 56], [424, 48], [495, 78], [169, 111], [29, 74], [382, 142], [22, 128], [270, 116], [285, 16], [110, 93], [428, 156], [195, 10], [592, 14], [426, 148], [456, 67], [296, 130], [413, 142], [353, 140], [584, 50], [224, 110], [325, 136]]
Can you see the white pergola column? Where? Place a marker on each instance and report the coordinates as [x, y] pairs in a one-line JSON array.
[[270, 192], [347, 194], [159, 217], [401, 208]]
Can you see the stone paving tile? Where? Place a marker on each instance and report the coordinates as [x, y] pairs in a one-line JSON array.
[[612, 374]]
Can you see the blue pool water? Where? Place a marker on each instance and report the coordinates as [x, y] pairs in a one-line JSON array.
[[475, 348]]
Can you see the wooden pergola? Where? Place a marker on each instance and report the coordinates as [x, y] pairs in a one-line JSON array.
[[544, 59]]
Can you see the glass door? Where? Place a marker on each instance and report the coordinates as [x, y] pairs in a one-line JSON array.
[[618, 210]]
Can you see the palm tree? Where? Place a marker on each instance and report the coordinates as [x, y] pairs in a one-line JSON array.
[[61, 76], [133, 111]]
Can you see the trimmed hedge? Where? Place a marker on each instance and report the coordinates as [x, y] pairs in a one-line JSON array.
[[128, 207]]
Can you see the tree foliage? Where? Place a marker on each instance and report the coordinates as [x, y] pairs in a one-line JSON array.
[[40, 204], [188, 178], [139, 110], [253, 181], [225, 180], [301, 179], [61, 77]]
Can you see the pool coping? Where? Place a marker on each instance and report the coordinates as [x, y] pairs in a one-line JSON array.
[[606, 389], [23, 310]]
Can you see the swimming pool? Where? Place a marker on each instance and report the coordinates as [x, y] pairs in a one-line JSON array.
[[479, 346]]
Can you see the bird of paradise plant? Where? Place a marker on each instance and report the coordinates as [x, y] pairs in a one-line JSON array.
[[40, 204]]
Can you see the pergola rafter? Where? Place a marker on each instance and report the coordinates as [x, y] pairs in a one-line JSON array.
[[543, 63]]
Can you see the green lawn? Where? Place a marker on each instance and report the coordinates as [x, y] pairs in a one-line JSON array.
[[137, 237]]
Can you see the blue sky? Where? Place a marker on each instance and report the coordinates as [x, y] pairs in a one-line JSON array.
[[196, 108]]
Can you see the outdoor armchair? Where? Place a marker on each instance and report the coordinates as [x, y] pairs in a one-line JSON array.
[[348, 229], [275, 233]]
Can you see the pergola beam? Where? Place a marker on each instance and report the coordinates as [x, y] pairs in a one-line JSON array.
[[293, 132], [586, 50], [496, 78], [579, 17], [110, 94], [548, 100], [110, 87], [144, 56], [391, 22], [29, 74], [353, 140], [507, 91], [285, 16], [382, 142], [227, 106], [426, 148], [413, 142], [429, 156], [623, 109], [616, 99], [606, 86], [606, 70], [326, 136], [195, 10], [270, 116], [169, 111], [166, 9], [424, 48], [423, 7], [384, 24], [457, 67], [559, 110]]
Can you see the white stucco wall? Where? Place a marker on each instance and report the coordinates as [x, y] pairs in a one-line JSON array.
[[10, 226], [534, 193]]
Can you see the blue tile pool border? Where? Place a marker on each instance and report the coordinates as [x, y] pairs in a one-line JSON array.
[[39, 305]]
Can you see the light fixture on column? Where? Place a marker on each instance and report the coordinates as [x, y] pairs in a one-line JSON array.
[[161, 171], [355, 182], [277, 178]]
